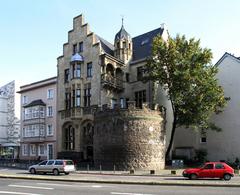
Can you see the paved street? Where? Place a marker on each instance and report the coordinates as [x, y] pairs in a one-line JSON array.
[[34, 187], [120, 178]]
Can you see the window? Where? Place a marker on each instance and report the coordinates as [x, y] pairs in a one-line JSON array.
[[27, 113], [73, 98], [76, 70], [219, 166], [24, 99], [89, 69], [42, 111], [41, 150], [140, 98], [209, 166], [203, 138], [69, 138], [80, 47], [50, 162], [33, 150], [140, 72], [87, 97], [122, 103], [124, 44], [24, 149], [49, 111], [50, 94], [49, 129], [127, 77], [43, 163], [74, 48], [78, 97], [113, 102], [34, 112], [58, 162], [67, 101], [66, 75]]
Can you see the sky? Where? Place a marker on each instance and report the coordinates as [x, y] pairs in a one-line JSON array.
[[32, 32]]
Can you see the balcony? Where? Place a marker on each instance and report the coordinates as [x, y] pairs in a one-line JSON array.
[[72, 113], [77, 112], [110, 82], [35, 139]]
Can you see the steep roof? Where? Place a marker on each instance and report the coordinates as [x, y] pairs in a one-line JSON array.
[[142, 44], [107, 47], [122, 34], [225, 55]]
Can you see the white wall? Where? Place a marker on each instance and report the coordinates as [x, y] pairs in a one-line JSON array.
[[224, 145]]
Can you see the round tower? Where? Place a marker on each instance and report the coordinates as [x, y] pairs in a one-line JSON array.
[[123, 45]]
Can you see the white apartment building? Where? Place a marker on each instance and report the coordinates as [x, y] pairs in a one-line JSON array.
[[38, 120]]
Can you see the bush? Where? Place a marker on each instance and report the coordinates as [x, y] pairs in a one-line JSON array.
[[201, 155]]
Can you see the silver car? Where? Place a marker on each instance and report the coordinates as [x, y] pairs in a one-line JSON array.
[[53, 166]]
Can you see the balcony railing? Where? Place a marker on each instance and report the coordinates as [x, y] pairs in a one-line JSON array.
[[77, 112], [109, 81]]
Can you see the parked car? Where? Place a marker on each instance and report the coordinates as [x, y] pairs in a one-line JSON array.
[[210, 170], [53, 166]]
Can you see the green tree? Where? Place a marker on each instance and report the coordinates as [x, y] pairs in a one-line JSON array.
[[185, 71]]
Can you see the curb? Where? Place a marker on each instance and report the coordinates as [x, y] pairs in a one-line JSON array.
[[164, 183]]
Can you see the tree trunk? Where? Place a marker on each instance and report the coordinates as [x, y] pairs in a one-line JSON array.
[[172, 137]]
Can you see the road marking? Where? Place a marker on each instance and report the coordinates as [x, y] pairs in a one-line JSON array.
[[17, 193], [67, 185], [32, 187], [96, 186], [125, 193]]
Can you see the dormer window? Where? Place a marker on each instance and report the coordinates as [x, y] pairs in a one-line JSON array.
[[144, 42]]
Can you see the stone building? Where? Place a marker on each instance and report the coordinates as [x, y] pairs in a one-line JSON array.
[[38, 120], [93, 74], [9, 124]]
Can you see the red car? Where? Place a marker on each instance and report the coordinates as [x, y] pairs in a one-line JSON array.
[[210, 170]]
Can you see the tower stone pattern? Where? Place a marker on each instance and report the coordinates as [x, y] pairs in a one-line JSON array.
[[129, 139]]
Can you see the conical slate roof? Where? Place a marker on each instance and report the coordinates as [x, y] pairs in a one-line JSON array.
[[122, 34]]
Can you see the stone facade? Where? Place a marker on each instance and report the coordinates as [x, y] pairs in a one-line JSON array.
[[129, 139], [93, 72]]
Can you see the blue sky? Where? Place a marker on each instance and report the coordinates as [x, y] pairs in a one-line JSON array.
[[32, 32]]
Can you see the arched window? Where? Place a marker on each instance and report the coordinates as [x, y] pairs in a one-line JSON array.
[[69, 141]]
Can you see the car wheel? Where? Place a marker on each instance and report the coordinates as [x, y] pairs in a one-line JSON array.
[[32, 171], [193, 176], [227, 177], [66, 173], [55, 172]]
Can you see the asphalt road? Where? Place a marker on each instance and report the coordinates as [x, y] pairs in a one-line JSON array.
[[33, 187], [118, 178]]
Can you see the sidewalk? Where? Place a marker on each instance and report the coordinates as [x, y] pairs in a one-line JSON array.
[[140, 178]]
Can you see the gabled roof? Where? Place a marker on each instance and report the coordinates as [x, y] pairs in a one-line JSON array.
[[225, 55], [106, 46], [142, 44], [38, 102]]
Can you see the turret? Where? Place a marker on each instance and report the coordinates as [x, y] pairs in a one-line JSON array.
[[123, 45]]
